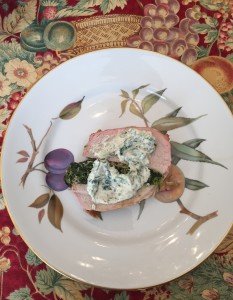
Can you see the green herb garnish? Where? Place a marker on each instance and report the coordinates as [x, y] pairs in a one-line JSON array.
[[79, 172]]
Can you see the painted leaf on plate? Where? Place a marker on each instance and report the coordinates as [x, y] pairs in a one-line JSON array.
[[136, 91], [22, 160], [194, 185], [188, 153], [170, 123], [124, 94], [134, 110], [174, 112], [95, 214], [193, 143], [71, 110], [41, 214], [151, 99], [123, 106], [55, 211], [23, 153], [141, 208], [41, 201]]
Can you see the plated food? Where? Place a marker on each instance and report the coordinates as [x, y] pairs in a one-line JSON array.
[[125, 166], [120, 241]]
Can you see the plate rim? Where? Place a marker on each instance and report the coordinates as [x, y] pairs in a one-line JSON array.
[[226, 108]]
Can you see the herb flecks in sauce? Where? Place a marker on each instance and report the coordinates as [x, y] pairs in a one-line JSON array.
[[132, 147]]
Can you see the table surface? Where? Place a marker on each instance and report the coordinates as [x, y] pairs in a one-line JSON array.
[[199, 33]]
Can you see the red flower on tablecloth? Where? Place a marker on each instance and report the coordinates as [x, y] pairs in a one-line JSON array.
[[49, 12]]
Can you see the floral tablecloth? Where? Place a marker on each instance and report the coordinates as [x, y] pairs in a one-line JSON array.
[[36, 36]]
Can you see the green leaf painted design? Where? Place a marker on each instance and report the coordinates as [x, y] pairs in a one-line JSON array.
[[141, 208], [122, 296], [170, 123], [11, 50], [67, 289], [201, 28], [74, 12], [136, 91], [124, 94], [193, 143], [71, 110], [32, 259], [194, 185], [211, 21], [46, 280], [108, 5], [188, 153], [20, 294], [211, 36], [202, 52], [208, 4], [123, 106], [49, 281], [41, 201], [174, 112], [55, 212], [89, 3], [134, 110], [151, 99]]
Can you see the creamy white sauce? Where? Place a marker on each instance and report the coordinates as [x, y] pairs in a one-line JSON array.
[[133, 147]]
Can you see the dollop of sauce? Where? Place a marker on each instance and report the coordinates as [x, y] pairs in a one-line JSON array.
[[133, 147]]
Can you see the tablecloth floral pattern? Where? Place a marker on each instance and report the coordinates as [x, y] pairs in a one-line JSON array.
[[36, 36]]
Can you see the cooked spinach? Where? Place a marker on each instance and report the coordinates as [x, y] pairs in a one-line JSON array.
[[78, 172]]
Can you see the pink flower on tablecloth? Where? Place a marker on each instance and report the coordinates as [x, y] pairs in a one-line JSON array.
[[228, 277], [212, 294], [49, 12], [20, 72], [5, 235], [4, 86], [5, 264]]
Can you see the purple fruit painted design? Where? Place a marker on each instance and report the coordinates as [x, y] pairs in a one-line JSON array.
[[56, 182], [58, 160]]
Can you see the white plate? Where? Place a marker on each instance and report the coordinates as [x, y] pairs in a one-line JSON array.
[[120, 251]]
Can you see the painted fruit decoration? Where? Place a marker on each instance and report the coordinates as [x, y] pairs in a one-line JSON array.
[[56, 162]]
